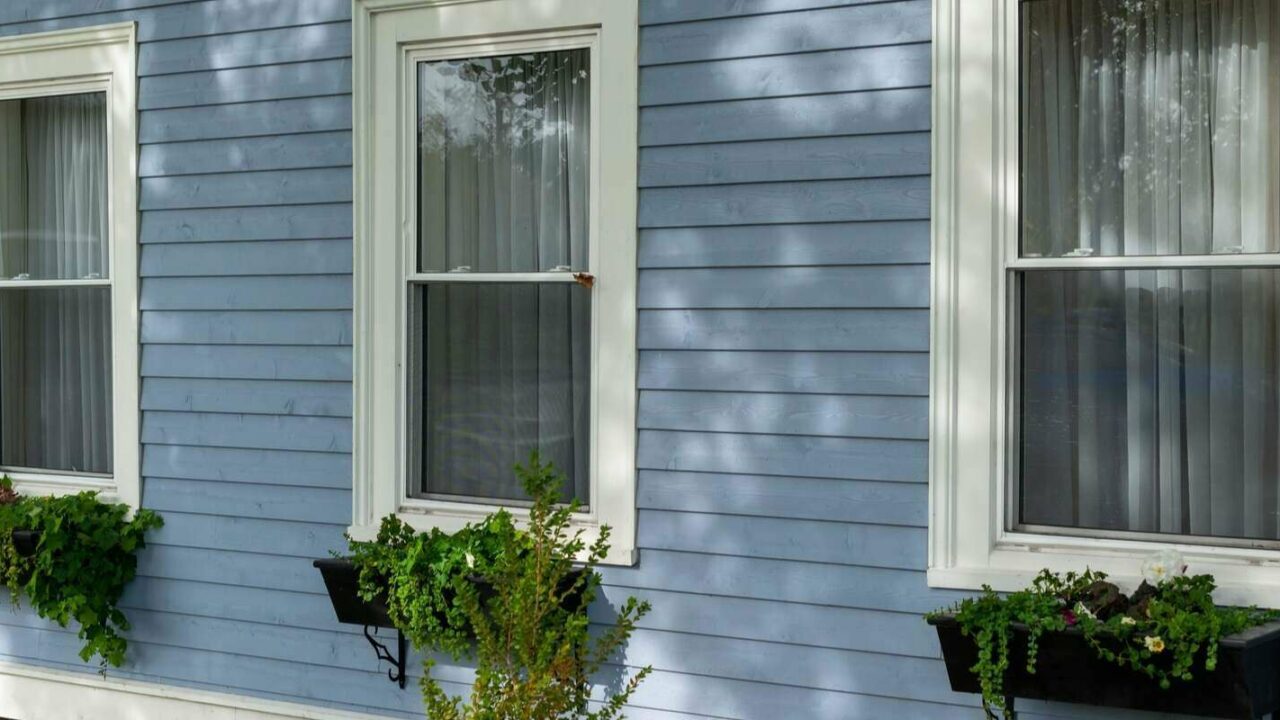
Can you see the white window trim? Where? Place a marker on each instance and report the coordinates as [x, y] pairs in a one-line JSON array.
[[95, 59], [387, 34], [975, 231]]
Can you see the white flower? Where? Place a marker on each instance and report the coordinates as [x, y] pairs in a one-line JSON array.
[[471, 560], [1126, 620], [1082, 611], [1163, 566], [1154, 644]]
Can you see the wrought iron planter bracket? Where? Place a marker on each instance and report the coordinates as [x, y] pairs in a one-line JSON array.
[[396, 674]]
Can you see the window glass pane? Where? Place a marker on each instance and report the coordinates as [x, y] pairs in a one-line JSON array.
[[53, 187], [1149, 127], [498, 371], [55, 379], [1150, 401], [503, 150]]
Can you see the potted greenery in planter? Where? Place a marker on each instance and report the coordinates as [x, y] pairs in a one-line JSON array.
[[71, 557], [512, 599], [358, 584], [1077, 638]]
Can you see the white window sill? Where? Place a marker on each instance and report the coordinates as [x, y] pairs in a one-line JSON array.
[[1244, 576], [40, 483]]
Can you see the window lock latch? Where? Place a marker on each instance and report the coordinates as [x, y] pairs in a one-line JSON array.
[[585, 279], [461, 269]]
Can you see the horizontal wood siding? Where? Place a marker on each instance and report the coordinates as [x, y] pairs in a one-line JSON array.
[[783, 372], [245, 165], [784, 206]]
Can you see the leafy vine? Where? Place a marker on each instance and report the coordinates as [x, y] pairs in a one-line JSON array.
[[1167, 629], [513, 599], [85, 556]]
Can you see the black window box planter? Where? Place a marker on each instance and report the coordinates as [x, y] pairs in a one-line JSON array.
[[1245, 684], [342, 581], [25, 542]]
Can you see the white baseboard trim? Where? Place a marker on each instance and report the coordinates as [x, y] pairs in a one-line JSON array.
[[30, 692]]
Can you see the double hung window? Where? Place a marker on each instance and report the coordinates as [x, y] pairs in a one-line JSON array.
[[68, 367], [500, 330], [495, 254], [1130, 393]]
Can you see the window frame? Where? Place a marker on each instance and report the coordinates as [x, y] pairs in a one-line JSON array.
[[94, 59], [412, 277], [390, 38], [975, 255]]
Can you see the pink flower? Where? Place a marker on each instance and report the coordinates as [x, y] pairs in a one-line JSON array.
[[1069, 616]]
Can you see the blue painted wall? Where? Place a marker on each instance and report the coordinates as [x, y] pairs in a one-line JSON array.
[[783, 373]]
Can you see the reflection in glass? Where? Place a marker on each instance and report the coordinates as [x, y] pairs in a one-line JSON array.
[[55, 379], [1150, 401], [1149, 127], [53, 187], [499, 370], [504, 144]]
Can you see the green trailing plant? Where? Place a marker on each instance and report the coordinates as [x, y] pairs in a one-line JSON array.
[[416, 574], [86, 555], [1168, 629], [512, 599]]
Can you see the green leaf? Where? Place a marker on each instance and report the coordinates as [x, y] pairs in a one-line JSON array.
[[533, 656], [84, 559]]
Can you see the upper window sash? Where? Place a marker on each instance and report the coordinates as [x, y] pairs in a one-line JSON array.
[[530, 42]]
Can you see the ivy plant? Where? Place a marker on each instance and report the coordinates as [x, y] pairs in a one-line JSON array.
[[86, 555], [512, 599], [416, 574], [1168, 629]]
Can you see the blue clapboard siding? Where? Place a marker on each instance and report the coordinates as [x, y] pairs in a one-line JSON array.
[[880, 111], [267, 82], [170, 19], [655, 12], [849, 243], [282, 362], [265, 47], [871, 373], [251, 223], [875, 68], [774, 160], [822, 29], [783, 372], [783, 368], [245, 165], [271, 152], [277, 257], [246, 119], [804, 287]]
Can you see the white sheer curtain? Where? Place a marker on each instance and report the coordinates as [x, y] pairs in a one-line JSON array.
[[503, 178], [55, 343], [1149, 397]]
